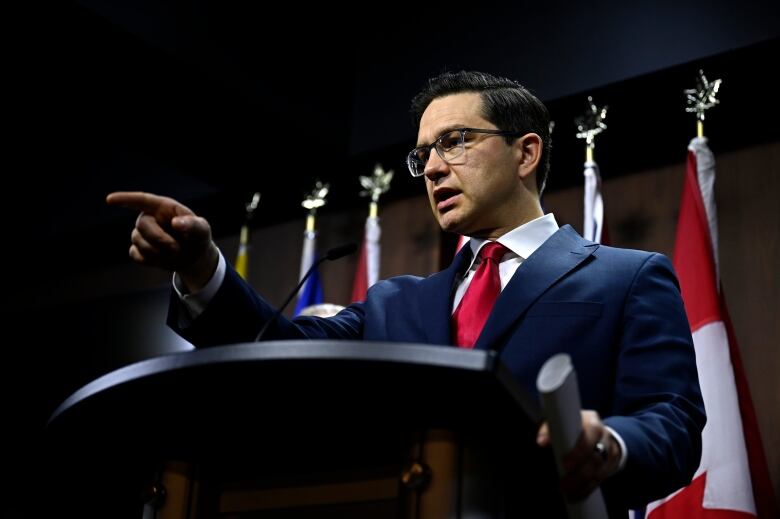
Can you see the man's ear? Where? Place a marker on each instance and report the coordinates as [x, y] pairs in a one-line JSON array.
[[529, 152]]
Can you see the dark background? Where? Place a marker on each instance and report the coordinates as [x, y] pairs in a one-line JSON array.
[[210, 101]]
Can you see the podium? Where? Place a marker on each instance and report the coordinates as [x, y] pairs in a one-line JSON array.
[[300, 429]]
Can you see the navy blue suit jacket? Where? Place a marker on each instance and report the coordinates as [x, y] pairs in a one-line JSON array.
[[617, 312]]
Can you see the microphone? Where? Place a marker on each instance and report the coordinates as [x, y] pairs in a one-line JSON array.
[[332, 254]]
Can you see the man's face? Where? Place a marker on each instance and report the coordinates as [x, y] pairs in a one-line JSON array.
[[478, 192]]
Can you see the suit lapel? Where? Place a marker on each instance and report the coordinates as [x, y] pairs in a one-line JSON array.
[[436, 298], [557, 256]]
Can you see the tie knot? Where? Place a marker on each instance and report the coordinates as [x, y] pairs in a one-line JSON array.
[[493, 251]]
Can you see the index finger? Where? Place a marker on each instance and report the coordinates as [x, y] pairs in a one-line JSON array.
[[145, 202]]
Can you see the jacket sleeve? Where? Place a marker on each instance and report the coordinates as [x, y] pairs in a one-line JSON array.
[[237, 313], [658, 408]]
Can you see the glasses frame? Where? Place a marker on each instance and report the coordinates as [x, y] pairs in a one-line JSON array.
[[412, 159]]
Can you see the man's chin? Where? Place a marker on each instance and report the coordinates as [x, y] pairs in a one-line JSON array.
[[449, 223]]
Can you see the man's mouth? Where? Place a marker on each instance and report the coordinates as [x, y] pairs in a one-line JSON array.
[[445, 197]]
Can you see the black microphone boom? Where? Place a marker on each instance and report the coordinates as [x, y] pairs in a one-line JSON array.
[[332, 254], [340, 251]]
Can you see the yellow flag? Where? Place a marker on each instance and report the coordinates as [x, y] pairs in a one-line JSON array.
[[242, 260]]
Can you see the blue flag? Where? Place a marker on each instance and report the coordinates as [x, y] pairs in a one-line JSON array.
[[311, 293]]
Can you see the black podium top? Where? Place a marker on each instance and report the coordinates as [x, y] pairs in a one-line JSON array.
[[292, 412], [276, 392]]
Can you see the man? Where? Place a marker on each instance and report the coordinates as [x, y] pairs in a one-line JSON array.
[[483, 153]]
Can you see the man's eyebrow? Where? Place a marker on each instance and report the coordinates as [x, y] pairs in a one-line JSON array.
[[447, 129]]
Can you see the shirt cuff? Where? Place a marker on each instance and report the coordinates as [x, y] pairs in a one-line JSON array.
[[196, 303], [623, 448]]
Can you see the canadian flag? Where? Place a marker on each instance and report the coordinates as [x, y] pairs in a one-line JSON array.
[[732, 480]]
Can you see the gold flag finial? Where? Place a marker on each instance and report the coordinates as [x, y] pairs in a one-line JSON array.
[[702, 98], [251, 206], [375, 186], [242, 259], [316, 197], [590, 124], [313, 201]]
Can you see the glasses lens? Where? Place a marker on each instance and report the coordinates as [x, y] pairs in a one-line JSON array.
[[417, 160], [450, 145]]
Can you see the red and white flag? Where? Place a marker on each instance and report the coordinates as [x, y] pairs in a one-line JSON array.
[[367, 272], [594, 225], [732, 480]]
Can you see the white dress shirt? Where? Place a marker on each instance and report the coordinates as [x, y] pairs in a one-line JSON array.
[[521, 241], [196, 302]]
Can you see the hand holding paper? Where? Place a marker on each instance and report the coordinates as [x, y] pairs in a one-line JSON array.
[[574, 435]]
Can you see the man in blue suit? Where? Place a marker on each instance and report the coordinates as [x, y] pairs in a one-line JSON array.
[[483, 154]]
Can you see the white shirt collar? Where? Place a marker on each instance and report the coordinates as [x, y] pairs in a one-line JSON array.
[[523, 240]]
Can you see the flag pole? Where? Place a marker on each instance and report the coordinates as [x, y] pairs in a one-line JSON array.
[[701, 99], [367, 272], [589, 125], [314, 200], [242, 258], [311, 292]]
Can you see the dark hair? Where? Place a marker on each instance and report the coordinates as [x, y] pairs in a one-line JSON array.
[[505, 103]]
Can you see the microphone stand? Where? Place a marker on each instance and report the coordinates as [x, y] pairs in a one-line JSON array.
[[332, 254]]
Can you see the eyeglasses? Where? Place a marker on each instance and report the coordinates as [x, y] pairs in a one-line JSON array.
[[449, 145]]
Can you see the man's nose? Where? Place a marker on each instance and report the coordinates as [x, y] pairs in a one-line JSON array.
[[435, 167]]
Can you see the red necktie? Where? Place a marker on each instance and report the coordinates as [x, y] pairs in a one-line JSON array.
[[473, 311]]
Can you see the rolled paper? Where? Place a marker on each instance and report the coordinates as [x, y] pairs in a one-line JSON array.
[[557, 386]]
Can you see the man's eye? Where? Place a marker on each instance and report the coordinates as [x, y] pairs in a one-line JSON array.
[[450, 141], [422, 154]]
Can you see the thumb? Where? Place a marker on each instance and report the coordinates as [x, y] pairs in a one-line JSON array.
[[191, 226], [182, 224]]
